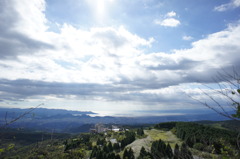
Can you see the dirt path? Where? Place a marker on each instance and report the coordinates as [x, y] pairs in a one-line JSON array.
[[137, 144]]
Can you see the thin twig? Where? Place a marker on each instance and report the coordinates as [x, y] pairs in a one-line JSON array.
[[20, 116]]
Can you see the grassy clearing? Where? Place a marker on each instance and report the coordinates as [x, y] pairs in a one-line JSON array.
[[166, 136], [152, 135]]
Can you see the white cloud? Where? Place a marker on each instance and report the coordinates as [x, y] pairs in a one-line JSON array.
[[77, 55], [231, 5], [171, 14], [169, 22], [187, 38]]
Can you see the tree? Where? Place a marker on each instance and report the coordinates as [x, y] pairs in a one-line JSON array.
[[140, 132], [144, 154], [169, 151], [227, 96], [116, 146], [110, 147], [176, 152], [128, 154], [185, 152], [159, 149], [224, 97]]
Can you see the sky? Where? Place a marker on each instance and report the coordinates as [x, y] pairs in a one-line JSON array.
[[115, 57]]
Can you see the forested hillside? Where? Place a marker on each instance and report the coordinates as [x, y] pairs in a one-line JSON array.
[[174, 140]]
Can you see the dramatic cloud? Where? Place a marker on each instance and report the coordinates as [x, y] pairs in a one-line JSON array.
[[103, 63], [231, 5], [19, 34]]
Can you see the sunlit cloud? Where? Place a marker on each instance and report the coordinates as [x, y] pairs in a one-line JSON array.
[[106, 66], [168, 21]]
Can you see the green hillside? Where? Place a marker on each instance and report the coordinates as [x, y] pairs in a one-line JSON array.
[[164, 140]]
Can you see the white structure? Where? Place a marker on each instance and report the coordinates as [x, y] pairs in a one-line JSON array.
[[100, 128]]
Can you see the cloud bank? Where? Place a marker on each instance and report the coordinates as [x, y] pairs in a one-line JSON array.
[[103, 63]]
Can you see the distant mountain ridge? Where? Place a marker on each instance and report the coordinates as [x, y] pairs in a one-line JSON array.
[[61, 120]]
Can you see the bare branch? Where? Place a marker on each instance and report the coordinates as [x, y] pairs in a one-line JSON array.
[[228, 84], [19, 117], [6, 117]]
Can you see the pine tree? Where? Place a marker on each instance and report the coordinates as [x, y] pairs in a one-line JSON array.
[[128, 154], [185, 152], [125, 154], [140, 132], [117, 156], [144, 154], [116, 146], [176, 152], [110, 147], [169, 152], [131, 154], [105, 149]]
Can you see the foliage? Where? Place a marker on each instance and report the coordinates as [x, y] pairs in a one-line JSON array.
[[176, 152], [144, 154], [160, 150], [199, 146], [128, 154], [185, 152], [130, 137], [104, 152], [98, 146], [116, 146], [140, 132], [165, 126], [101, 141], [193, 133]]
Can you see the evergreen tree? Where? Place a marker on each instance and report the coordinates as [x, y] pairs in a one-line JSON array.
[[130, 137], [176, 152], [169, 152], [105, 149], [116, 146], [117, 156], [159, 149], [98, 141], [110, 147], [125, 154], [185, 152], [94, 152], [140, 132], [144, 154], [131, 154], [111, 155], [128, 154]]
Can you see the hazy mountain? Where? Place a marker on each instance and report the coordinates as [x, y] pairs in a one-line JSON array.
[[76, 121]]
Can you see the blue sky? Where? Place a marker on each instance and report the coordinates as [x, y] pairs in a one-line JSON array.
[[115, 56]]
